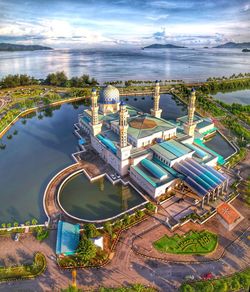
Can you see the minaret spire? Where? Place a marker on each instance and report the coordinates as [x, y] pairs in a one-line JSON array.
[[156, 111], [96, 126], [189, 126], [123, 125]]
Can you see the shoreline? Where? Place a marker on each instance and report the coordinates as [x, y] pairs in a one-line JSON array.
[[26, 112]]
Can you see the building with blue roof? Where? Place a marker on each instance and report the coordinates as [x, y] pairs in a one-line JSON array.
[[68, 236]]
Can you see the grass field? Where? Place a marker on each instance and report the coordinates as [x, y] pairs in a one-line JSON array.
[[193, 242]]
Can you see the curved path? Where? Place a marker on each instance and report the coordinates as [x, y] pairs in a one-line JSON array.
[[51, 207]]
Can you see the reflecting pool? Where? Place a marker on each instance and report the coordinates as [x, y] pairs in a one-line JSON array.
[[97, 200]]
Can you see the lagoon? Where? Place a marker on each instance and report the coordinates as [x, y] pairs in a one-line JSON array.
[[238, 96]]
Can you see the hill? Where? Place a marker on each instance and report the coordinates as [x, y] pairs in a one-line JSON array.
[[166, 46], [13, 47], [232, 45]]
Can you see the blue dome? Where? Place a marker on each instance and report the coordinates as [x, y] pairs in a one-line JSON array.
[[93, 90], [109, 95], [122, 103], [192, 90]]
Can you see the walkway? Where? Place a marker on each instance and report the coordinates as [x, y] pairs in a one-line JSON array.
[[51, 206]]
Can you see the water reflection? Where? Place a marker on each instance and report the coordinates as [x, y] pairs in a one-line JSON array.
[[98, 200]]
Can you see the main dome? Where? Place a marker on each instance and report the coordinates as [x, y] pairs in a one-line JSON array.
[[109, 95]]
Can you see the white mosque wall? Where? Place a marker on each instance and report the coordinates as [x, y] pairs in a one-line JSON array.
[[207, 128], [135, 161], [154, 192], [120, 166]]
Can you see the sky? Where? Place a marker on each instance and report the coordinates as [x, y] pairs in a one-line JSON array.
[[121, 23]]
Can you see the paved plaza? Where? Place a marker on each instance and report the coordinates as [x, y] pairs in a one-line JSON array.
[[128, 267]]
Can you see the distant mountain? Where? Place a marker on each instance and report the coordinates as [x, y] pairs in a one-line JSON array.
[[166, 46], [246, 50], [232, 45], [13, 47]]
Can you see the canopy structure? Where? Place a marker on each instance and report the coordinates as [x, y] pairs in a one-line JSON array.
[[68, 236], [202, 178]]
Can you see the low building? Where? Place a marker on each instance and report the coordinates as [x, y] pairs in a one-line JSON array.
[[230, 217], [68, 237]]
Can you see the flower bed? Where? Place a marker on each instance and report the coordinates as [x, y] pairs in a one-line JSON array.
[[192, 242], [26, 271]]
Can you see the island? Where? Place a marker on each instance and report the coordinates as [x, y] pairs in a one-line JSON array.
[[13, 47], [246, 50], [165, 46], [232, 45]]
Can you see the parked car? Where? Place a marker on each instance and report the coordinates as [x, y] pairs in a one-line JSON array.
[[17, 236], [189, 277], [207, 276]]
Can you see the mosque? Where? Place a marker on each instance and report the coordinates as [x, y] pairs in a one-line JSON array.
[[152, 152]]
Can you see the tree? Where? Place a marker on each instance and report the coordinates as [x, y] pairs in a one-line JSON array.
[[15, 224], [139, 213], [71, 289], [90, 230], [150, 206], [86, 250], [108, 228], [186, 288], [126, 219], [34, 221]]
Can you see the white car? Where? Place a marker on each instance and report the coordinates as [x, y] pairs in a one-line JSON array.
[[17, 236], [189, 277]]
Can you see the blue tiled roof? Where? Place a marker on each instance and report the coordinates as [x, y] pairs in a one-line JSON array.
[[68, 236]]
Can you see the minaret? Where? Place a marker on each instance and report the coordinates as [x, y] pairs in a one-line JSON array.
[[124, 148], [123, 125], [96, 126], [156, 111], [189, 126]]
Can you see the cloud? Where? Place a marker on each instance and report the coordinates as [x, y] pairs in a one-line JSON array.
[[157, 17], [246, 8]]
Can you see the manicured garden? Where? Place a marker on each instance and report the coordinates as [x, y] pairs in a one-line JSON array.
[[24, 271], [193, 242], [237, 282]]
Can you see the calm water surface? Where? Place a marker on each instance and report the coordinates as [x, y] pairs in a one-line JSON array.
[[121, 64], [43, 146], [97, 200], [220, 145], [171, 108], [239, 96]]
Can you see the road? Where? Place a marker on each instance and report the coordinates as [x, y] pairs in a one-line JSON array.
[[126, 267]]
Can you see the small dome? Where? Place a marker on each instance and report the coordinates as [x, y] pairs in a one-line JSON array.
[[109, 95], [93, 89], [192, 90], [122, 103]]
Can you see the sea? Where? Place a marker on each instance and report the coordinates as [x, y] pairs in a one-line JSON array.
[[190, 65]]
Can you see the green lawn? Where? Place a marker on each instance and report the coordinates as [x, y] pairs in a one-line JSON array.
[[193, 242], [25, 271]]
